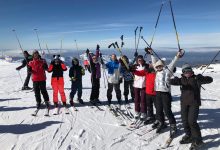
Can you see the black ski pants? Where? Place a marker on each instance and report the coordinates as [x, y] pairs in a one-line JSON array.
[[150, 101], [189, 115], [26, 82], [117, 91], [76, 87], [95, 89], [128, 85], [163, 105], [40, 87]]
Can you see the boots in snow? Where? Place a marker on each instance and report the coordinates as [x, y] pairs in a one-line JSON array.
[[186, 139]]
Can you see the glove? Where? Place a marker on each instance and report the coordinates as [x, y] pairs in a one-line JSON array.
[[87, 51], [120, 80], [135, 54], [100, 54], [72, 79], [18, 68], [97, 47], [148, 50], [83, 71], [199, 76]]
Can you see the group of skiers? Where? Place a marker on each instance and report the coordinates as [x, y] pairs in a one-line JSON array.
[[149, 84]]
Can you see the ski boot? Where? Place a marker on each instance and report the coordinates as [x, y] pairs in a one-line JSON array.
[[186, 139], [143, 116], [155, 124], [80, 101], [173, 130], [98, 101], [93, 102], [137, 115], [196, 144], [149, 120], [160, 127]]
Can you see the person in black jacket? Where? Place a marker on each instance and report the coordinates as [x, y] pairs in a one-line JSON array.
[[27, 59], [95, 70], [190, 85], [75, 73]]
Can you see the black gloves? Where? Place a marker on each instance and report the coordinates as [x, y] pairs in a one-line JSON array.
[[135, 54], [199, 76], [87, 51], [18, 68], [148, 50], [97, 47]]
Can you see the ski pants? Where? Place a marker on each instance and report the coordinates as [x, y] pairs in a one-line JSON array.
[[40, 87], [57, 84], [150, 101], [26, 82], [76, 87], [163, 105], [117, 91], [189, 115], [127, 85], [95, 89], [140, 101]]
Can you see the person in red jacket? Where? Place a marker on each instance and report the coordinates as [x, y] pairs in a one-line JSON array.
[[37, 68], [57, 82], [150, 75]]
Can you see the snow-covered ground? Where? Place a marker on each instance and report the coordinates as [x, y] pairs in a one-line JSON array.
[[90, 128]]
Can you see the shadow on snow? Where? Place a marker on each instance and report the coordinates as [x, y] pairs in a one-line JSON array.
[[26, 128]]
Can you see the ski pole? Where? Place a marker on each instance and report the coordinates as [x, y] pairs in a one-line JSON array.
[[174, 24], [20, 78], [18, 40], [211, 61], [61, 46], [139, 38], [48, 49], [155, 27], [135, 38], [19, 44], [77, 48], [38, 39], [157, 55]]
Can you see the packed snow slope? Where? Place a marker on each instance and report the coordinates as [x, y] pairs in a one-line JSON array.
[[90, 128]]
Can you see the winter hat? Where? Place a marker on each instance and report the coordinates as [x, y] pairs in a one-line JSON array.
[[140, 57], [159, 63], [75, 60], [35, 52], [187, 68], [56, 57]]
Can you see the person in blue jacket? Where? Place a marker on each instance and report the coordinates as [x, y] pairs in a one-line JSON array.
[[114, 79]]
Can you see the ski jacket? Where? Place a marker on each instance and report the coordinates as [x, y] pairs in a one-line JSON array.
[[162, 80], [76, 72], [139, 76], [25, 62], [190, 88], [127, 75], [95, 67], [113, 72], [57, 70], [37, 67]]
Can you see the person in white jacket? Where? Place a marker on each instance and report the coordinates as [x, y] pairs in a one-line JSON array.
[[163, 93], [139, 88]]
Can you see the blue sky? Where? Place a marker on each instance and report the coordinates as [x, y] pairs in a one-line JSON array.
[[104, 21]]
